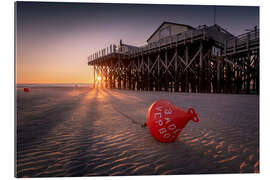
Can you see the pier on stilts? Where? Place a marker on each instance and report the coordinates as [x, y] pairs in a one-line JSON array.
[[206, 59]]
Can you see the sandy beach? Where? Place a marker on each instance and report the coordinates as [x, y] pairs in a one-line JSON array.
[[93, 132]]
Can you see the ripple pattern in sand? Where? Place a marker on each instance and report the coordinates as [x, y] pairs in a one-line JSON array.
[[89, 133]]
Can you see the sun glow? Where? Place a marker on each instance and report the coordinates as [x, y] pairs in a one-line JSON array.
[[98, 78]]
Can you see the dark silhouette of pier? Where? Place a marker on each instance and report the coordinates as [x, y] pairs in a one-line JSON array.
[[206, 59]]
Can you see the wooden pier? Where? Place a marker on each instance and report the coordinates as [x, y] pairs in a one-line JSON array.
[[204, 60]]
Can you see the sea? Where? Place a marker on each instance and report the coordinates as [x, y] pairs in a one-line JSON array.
[[55, 85]]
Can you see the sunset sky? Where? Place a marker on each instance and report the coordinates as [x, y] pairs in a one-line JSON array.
[[54, 39]]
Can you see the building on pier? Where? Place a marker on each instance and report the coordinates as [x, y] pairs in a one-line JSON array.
[[168, 29], [180, 58]]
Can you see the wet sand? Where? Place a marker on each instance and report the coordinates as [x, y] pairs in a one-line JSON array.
[[89, 132]]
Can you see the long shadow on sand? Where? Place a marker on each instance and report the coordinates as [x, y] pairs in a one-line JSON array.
[[40, 130], [38, 125]]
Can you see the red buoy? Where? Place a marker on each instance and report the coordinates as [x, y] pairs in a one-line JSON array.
[[165, 121], [26, 89]]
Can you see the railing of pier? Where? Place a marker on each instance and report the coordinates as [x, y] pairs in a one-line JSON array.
[[111, 49], [243, 41], [169, 40]]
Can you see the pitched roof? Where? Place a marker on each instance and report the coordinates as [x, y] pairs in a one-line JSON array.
[[130, 46], [165, 22]]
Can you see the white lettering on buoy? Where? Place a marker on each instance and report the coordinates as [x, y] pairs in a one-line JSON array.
[[167, 120], [168, 111], [159, 108], [162, 130], [172, 127], [157, 114], [159, 122]]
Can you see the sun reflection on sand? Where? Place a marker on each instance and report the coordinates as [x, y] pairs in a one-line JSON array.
[[90, 94]]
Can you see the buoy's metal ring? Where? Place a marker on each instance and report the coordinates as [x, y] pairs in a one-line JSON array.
[[191, 111], [194, 114], [195, 118]]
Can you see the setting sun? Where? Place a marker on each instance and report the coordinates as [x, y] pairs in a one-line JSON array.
[[98, 78]]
